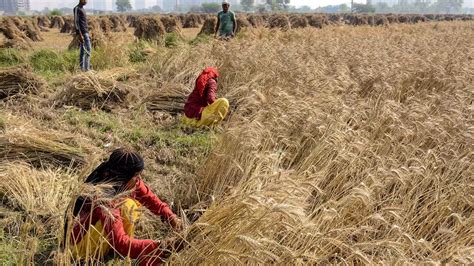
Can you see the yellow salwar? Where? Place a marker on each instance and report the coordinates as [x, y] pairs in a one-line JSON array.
[[95, 244], [211, 115]]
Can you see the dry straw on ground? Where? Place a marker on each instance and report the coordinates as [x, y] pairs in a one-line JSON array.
[[39, 147], [17, 80], [88, 91], [169, 98]]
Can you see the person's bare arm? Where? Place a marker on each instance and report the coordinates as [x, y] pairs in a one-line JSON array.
[[235, 26], [217, 26]]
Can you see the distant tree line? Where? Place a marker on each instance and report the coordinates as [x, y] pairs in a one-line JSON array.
[[419, 6], [403, 6]]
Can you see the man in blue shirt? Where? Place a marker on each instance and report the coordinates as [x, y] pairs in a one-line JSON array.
[[82, 32], [226, 22]]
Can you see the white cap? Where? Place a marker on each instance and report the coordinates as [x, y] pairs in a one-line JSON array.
[[225, 2]]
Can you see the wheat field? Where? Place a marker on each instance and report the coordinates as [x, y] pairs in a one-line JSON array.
[[346, 145]]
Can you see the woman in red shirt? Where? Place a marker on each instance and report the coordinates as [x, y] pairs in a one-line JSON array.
[[202, 108], [103, 221]]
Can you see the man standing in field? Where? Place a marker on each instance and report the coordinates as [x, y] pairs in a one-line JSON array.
[[226, 23], [82, 32]]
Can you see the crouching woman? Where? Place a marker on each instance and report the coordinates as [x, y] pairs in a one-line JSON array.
[[202, 107], [103, 223]]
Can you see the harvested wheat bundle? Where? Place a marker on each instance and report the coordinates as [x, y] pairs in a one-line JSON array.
[[316, 21], [39, 147], [32, 32], [105, 25], [43, 21], [132, 21], [88, 91], [120, 74], [256, 20], [171, 24], [15, 80], [149, 28], [169, 98], [279, 21], [371, 20], [17, 20], [117, 24], [381, 20], [33, 22], [357, 20], [392, 19], [68, 26], [449, 18], [242, 23], [418, 18], [209, 26], [403, 19], [298, 21], [181, 18], [15, 37], [97, 36], [203, 18], [57, 22], [335, 19], [191, 21]]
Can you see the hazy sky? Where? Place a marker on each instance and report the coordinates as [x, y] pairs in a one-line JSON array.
[[40, 4], [317, 3]]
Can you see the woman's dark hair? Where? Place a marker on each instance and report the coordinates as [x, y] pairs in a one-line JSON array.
[[118, 170], [121, 167]]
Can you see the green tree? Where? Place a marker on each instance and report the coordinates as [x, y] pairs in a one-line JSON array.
[[360, 8], [247, 4], [196, 9], [277, 5], [304, 9], [56, 12], [344, 8], [211, 7], [382, 7], [448, 6], [156, 8], [123, 5]]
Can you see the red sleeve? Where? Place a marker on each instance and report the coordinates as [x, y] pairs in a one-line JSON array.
[[146, 251], [146, 197], [211, 91]]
